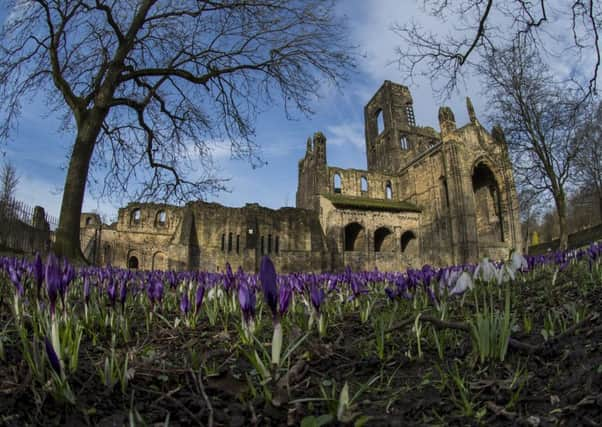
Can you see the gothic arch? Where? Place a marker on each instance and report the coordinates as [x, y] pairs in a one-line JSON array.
[[159, 261], [161, 218], [337, 183], [409, 243], [383, 240], [488, 203], [133, 260], [354, 237], [135, 216]]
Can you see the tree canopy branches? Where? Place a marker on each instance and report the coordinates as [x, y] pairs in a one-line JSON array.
[[480, 28], [149, 86]]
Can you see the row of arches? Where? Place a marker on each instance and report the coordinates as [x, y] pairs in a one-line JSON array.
[[160, 218], [354, 239], [337, 185], [159, 261]]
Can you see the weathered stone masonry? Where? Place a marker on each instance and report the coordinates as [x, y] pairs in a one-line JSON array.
[[426, 197]]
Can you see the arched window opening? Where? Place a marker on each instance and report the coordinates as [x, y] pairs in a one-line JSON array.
[[136, 216], [336, 183], [408, 242], [133, 263], [487, 205], [269, 243], [159, 261], [364, 184], [444, 193], [88, 220], [388, 191], [380, 122], [354, 237], [223, 242], [277, 245], [238, 243], [403, 143], [229, 242], [383, 238], [161, 218]]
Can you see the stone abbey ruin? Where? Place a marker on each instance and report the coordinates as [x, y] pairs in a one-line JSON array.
[[440, 198]]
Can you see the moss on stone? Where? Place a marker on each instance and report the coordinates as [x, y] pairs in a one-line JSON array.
[[371, 204]]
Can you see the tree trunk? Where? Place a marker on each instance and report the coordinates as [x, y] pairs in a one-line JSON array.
[[67, 242], [562, 220]]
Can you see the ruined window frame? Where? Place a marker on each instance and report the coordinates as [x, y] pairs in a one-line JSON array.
[[379, 119], [364, 184], [404, 144], [388, 191], [161, 218], [136, 216], [337, 187]]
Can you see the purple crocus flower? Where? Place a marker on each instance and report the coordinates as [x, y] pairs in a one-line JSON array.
[[112, 291], [285, 295], [185, 303], [53, 281], [38, 273], [16, 276], [267, 275], [246, 299], [317, 296], [123, 294], [87, 289], [229, 278], [200, 293], [52, 356]]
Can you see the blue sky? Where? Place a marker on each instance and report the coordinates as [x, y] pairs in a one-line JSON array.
[[39, 150]]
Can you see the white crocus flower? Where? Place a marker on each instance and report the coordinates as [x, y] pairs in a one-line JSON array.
[[485, 271], [463, 283], [518, 261]]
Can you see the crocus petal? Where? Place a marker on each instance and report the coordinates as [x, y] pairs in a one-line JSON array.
[[463, 283], [52, 356], [267, 275]]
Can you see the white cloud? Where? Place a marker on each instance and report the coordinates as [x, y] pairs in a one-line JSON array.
[[346, 134]]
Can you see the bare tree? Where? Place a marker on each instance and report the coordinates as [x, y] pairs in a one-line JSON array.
[[147, 85], [529, 202], [588, 162], [9, 180], [540, 119], [480, 28]]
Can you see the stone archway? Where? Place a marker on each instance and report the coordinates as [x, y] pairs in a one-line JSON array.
[[488, 206], [133, 263], [409, 243], [354, 236], [383, 240], [159, 261]]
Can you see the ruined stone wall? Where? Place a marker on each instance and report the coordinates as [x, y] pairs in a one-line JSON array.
[[392, 147], [376, 240], [145, 235], [241, 236], [427, 197], [483, 204], [425, 186], [351, 184]]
